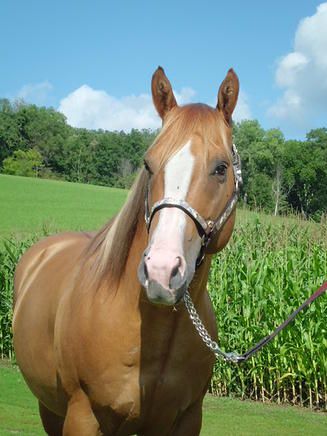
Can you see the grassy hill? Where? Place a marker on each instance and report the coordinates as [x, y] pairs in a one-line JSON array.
[[32, 205]]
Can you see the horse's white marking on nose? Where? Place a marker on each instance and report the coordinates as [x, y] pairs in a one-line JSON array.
[[168, 236], [178, 174]]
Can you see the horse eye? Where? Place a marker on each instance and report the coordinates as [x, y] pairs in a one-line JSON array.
[[146, 166], [220, 170]]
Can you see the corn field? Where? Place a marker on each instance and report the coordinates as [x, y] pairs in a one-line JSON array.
[[255, 284], [264, 274], [10, 252]]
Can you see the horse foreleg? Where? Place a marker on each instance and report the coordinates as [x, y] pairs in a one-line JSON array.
[[80, 419], [189, 423], [52, 423]]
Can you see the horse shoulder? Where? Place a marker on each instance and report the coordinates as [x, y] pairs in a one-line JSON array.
[[41, 279]]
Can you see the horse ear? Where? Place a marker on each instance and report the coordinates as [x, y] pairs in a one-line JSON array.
[[227, 95], [162, 93]]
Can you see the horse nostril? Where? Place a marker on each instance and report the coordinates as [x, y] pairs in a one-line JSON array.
[[146, 274], [142, 273], [175, 276], [175, 270]]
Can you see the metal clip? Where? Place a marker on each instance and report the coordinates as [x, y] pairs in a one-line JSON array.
[[233, 357]]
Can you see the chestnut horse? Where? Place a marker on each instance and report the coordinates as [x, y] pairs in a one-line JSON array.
[[100, 331]]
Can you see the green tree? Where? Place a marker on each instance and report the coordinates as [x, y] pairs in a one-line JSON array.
[[23, 163], [306, 171], [10, 135], [274, 144], [260, 151]]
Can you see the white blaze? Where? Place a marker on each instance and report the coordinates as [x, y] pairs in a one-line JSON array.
[[178, 173], [167, 243], [172, 221]]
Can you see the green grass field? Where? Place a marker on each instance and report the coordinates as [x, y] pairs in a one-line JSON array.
[[223, 416], [34, 205]]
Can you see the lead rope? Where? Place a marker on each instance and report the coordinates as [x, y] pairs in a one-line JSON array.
[[233, 356]]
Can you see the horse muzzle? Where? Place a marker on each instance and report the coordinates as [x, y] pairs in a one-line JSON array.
[[162, 274]]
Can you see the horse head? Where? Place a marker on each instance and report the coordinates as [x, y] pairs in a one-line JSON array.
[[191, 182]]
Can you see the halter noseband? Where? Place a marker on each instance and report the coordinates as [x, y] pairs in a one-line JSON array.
[[206, 228]]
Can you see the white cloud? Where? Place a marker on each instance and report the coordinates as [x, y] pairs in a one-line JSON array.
[[290, 66], [36, 93], [302, 74], [185, 96], [242, 110], [95, 109]]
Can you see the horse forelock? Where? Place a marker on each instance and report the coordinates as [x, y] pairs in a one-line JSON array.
[[184, 122]]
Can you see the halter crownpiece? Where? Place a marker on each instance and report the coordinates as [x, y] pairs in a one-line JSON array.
[[206, 228]]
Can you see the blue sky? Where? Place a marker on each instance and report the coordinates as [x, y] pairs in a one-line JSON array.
[[94, 59]]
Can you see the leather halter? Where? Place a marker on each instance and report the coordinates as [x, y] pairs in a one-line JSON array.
[[206, 228]]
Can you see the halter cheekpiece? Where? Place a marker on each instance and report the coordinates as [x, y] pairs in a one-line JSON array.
[[206, 228]]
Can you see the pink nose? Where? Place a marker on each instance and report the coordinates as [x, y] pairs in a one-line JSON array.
[[165, 267]]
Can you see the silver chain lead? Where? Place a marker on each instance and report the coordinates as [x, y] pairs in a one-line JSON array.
[[203, 332]]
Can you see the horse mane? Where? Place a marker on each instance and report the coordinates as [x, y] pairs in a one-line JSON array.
[[110, 246]]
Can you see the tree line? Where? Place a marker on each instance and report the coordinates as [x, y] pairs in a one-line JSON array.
[[279, 175], [37, 141]]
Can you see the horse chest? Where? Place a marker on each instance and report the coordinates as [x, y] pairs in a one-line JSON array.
[[148, 396], [140, 385], [135, 372]]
